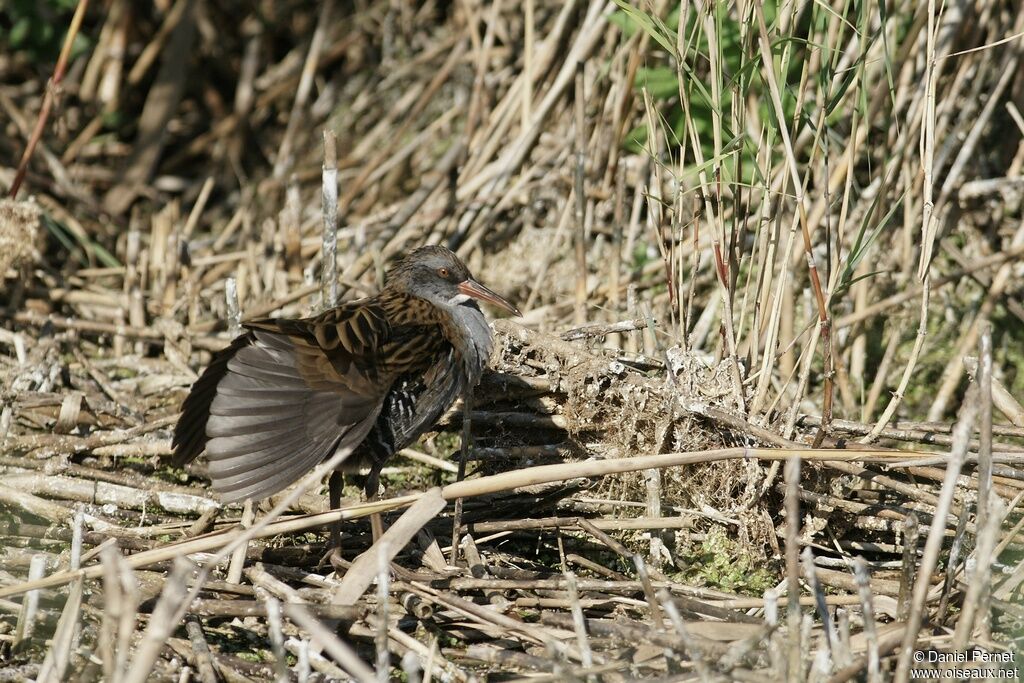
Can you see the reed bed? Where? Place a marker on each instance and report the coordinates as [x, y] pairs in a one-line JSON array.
[[758, 420]]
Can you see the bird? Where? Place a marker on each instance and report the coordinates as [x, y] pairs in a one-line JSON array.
[[367, 377]]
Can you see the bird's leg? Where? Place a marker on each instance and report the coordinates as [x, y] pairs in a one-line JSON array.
[[467, 438], [372, 491], [335, 486]]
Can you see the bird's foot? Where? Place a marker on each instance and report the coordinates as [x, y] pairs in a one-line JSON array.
[[333, 559], [339, 563]]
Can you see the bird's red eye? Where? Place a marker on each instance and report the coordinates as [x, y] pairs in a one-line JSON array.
[[443, 272]]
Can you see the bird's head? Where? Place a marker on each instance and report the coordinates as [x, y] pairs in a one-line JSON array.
[[436, 274]]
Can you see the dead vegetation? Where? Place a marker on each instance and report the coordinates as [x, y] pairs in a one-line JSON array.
[[756, 361]]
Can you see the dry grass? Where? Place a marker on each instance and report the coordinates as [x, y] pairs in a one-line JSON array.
[[756, 360]]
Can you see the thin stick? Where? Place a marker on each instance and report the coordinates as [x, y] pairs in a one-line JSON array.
[[30, 606], [238, 557], [383, 589], [692, 651], [526, 96], [811, 574], [984, 379], [910, 537], [283, 162], [162, 623], [201, 648], [66, 636], [979, 583], [792, 503], [936, 535], [329, 251], [579, 623], [985, 494], [52, 89], [338, 649], [579, 100], [276, 632], [860, 573], [233, 309]]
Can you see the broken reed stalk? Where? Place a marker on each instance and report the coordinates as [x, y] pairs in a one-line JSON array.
[[820, 601], [237, 563], [984, 379], [383, 558], [58, 657], [234, 312], [986, 497], [202, 658], [863, 578], [980, 577], [579, 101], [910, 539], [329, 249], [794, 663], [339, 650], [284, 160], [953, 561], [579, 623], [167, 614], [30, 606], [933, 544]]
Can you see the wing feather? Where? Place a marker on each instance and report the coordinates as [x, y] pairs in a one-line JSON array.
[[284, 397]]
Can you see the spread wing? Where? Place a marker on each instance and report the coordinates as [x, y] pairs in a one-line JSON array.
[[285, 396]]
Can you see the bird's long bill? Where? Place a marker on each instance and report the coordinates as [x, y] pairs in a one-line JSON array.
[[476, 290]]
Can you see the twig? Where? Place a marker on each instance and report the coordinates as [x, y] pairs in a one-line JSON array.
[[579, 101], [165, 618], [329, 250], [283, 161], [30, 606], [203, 659], [979, 584], [860, 571], [52, 91], [933, 544], [381, 637], [794, 666], [910, 536]]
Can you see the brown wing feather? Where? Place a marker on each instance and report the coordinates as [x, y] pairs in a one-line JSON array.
[[285, 396], [190, 432]]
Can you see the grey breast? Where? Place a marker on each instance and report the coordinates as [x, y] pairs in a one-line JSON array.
[[475, 343]]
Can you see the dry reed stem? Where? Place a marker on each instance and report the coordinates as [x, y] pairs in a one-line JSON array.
[[329, 204], [933, 544], [364, 569], [52, 91]]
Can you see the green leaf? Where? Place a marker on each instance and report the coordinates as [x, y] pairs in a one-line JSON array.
[[660, 82], [863, 242], [20, 31], [651, 25]]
